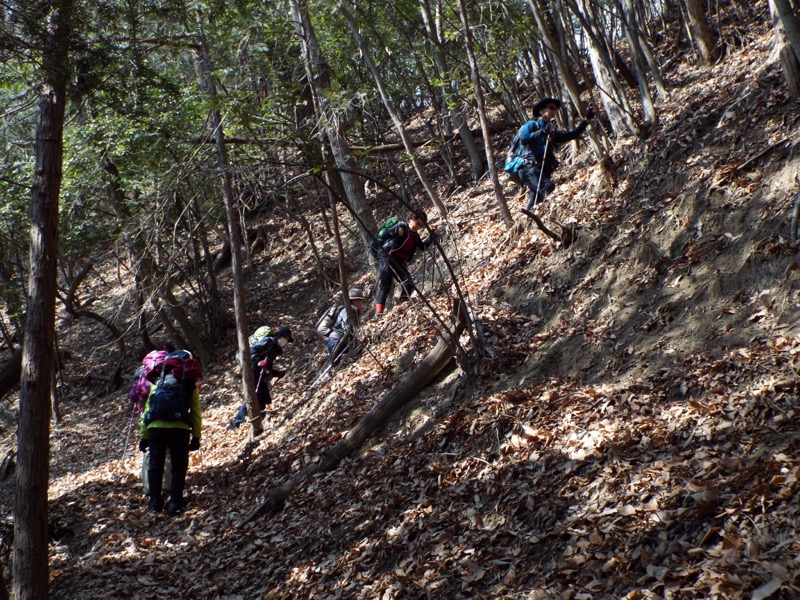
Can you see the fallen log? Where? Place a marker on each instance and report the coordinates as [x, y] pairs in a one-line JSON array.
[[436, 360]]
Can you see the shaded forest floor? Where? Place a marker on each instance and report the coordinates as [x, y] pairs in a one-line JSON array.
[[633, 431]]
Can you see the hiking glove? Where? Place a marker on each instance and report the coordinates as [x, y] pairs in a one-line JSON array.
[[194, 444], [546, 128], [590, 114], [143, 444]]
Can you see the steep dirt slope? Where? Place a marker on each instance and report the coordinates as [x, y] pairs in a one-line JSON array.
[[631, 431]]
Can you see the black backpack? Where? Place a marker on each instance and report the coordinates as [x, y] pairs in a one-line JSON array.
[[172, 398], [260, 346]]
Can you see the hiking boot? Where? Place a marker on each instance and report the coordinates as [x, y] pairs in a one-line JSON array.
[[155, 508], [174, 508], [231, 426]]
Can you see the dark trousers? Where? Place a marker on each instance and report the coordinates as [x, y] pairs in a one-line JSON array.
[[176, 441], [262, 395], [529, 174], [389, 271], [333, 341]]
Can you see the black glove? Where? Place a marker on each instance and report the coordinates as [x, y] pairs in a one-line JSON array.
[[547, 128], [143, 445], [277, 374], [194, 444], [590, 114]]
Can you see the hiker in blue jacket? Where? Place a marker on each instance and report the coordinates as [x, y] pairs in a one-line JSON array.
[[179, 437], [400, 244], [262, 358], [538, 139]]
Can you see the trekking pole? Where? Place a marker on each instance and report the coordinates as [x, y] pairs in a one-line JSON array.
[[134, 411], [541, 172], [260, 377], [375, 358], [322, 375], [425, 269]]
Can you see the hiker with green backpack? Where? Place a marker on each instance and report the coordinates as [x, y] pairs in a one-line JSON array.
[[265, 347], [532, 157], [395, 245], [172, 422]]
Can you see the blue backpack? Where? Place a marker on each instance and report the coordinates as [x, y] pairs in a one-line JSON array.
[[172, 398], [513, 162]]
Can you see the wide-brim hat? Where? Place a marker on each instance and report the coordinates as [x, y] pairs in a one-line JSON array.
[[537, 108]]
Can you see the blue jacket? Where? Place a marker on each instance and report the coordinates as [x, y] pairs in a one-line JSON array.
[[533, 142]]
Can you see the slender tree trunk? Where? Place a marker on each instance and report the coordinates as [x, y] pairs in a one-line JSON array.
[[628, 20], [632, 8], [234, 234], [570, 82], [614, 100], [390, 108], [487, 139], [319, 77], [30, 569], [791, 23], [783, 21], [449, 95], [698, 22]]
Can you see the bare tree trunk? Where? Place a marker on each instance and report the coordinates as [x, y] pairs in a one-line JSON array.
[[390, 108], [319, 77], [449, 94], [628, 20], [615, 102], [655, 71], [234, 234], [570, 81], [30, 569], [698, 22], [213, 300], [787, 41], [487, 140]]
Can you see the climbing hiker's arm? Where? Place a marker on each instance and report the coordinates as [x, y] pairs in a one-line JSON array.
[[532, 130], [559, 137]]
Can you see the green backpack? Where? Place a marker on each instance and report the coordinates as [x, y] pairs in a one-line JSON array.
[[260, 333], [387, 225]]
